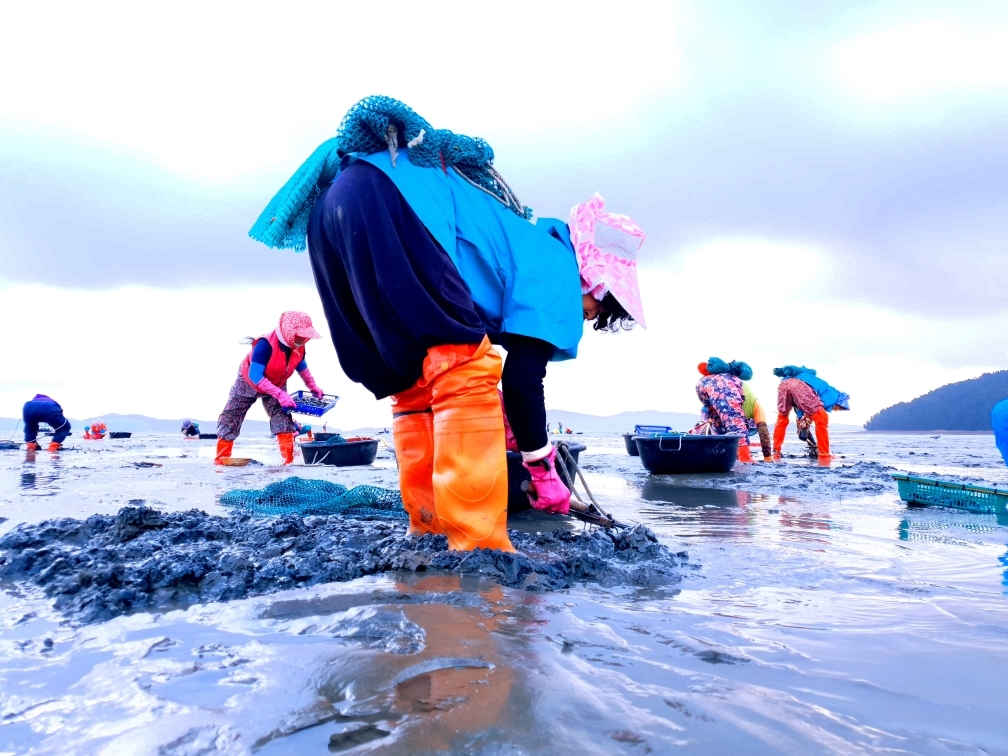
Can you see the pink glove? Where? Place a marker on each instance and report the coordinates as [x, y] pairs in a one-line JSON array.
[[547, 492], [306, 376], [266, 387]]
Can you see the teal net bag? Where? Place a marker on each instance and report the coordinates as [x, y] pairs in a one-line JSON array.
[[375, 124], [304, 497]]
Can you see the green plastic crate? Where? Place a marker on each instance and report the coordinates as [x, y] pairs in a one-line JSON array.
[[941, 493]]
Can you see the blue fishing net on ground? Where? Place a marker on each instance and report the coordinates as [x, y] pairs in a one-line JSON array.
[[305, 497], [376, 124]]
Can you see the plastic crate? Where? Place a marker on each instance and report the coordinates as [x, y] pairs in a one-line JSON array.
[[942, 493], [302, 399]]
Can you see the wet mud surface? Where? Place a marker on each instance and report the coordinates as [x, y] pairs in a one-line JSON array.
[[817, 613], [143, 558], [843, 477]]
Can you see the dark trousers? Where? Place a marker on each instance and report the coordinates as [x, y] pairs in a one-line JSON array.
[[388, 291], [44, 412]]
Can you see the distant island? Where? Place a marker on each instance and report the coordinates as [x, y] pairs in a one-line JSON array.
[[624, 421], [962, 406]]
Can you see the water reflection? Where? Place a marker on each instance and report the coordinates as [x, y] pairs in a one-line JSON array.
[[452, 690], [45, 483], [729, 513], [656, 489]]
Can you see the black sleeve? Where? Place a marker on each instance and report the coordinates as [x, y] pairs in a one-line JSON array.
[[524, 400]]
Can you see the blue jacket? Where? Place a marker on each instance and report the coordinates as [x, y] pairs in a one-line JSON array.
[[999, 422], [523, 278], [830, 396]]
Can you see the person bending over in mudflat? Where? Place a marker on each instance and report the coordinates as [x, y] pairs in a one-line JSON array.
[[423, 258], [263, 374], [811, 397], [42, 409], [726, 405]]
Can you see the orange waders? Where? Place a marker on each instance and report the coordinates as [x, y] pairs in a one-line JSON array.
[[286, 443], [449, 440], [779, 431], [821, 420], [223, 451], [743, 450]]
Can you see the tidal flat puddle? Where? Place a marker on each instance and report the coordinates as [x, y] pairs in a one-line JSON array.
[[815, 616]]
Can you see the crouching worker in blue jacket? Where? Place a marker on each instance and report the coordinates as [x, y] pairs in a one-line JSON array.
[[42, 409], [423, 259]]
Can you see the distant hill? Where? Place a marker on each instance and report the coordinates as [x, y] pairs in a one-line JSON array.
[[145, 424], [624, 421], [963, 406]]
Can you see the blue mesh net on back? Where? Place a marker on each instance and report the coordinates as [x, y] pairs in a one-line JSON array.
[[374, 124], [305, 497]]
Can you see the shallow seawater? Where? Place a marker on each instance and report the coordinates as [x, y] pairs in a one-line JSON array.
[[821, 615]]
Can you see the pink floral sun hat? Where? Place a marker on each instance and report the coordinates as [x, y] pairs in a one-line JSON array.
[[606, 246], [294, 324]]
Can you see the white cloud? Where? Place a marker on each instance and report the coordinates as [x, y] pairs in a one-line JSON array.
[[155, 352], [934, 59], [218, 91], [768, 304], [176, 354]]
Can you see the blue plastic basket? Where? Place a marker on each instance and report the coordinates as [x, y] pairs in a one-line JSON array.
[[303, 408], [942, 493], [649, 430]]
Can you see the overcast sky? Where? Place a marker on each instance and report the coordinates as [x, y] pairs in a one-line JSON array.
[[823, 186]]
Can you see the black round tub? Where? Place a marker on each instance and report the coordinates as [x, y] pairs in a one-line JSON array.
[[631, 445], [677, 454], [352, 451]]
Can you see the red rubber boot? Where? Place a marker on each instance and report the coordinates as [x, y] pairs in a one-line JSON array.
[[286, 442]]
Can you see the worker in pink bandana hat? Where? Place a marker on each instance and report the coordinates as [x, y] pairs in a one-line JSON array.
[[605, 246], [263, 374]]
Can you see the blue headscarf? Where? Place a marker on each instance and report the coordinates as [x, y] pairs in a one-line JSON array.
[[738, 369]]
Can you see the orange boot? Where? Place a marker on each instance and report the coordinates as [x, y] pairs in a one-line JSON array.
[[779, 431], [821, 420], [32, 445], [413, 435], [743, 450], [53, 446], [223, 451], [286, 442], [470, 479]]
